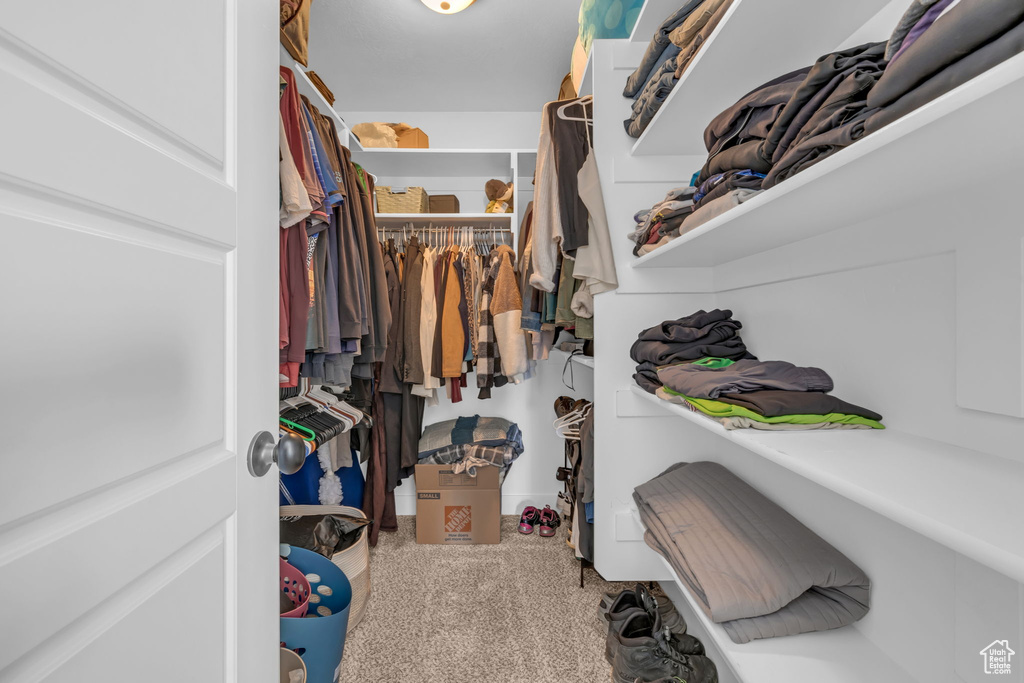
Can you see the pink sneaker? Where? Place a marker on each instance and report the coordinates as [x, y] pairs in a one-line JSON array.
[[530, 517], [549, 521]]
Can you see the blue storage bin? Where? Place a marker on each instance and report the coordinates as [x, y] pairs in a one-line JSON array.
[[304, 485], [320, 640]]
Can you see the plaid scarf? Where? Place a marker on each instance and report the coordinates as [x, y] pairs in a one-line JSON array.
[[487, 345]]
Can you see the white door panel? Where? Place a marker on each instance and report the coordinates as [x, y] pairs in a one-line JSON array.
[[165, 61], [135, 348], [186, 592], [138, 192], [73, 149]]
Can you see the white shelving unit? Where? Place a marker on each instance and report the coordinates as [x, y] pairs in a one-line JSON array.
[[307, 88], [972, 503], [499, 220], [896, 266], [887, 161], [727, 66], [839, 656]]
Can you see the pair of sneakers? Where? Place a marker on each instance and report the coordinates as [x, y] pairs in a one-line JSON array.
[[546, 521], [647, 641]]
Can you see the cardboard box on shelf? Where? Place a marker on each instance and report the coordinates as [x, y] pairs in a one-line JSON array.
[[444, 203], [414, 138], [457, 509]]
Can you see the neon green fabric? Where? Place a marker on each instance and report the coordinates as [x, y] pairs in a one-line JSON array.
[[719, 409], [714, 363]]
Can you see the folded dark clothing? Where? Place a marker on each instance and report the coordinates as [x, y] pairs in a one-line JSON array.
[[743, 156], [817, 148], [750, 565], [820, 76], [646, 377], [656, 48], [702, 381], [661, 353], [776, 403], [690, 328], [967, 26], [753, 114], [850, 85], [723, 183], [953, 76]]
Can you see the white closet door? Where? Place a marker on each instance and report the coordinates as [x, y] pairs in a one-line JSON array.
[[138, 155]]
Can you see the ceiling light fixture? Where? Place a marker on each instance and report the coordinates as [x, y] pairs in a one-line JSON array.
[[447, 6]]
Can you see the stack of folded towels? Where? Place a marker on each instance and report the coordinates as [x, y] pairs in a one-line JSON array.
[[705, 333], [470, 442]]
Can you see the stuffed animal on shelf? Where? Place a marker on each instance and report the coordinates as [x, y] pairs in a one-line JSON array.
[[499, 195]]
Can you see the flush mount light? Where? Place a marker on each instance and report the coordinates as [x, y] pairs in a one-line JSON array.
[[447, 6]]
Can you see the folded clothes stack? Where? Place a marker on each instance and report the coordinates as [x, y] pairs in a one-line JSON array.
[[750, 565], [470, 442], [796, 120], [696, 336], [674, 46], [770, 395]]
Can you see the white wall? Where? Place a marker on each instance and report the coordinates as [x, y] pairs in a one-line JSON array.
[[531, 481], [464, 130]]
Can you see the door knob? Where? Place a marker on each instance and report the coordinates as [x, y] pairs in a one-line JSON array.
[[289, 453]]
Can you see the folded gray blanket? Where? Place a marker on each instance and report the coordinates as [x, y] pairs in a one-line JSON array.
[[753, 567]]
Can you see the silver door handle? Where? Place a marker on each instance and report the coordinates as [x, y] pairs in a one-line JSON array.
[[289, 453]]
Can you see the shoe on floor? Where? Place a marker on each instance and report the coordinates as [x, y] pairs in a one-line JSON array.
[[640, 599], [648, 652], [528, 520], [549, 521]]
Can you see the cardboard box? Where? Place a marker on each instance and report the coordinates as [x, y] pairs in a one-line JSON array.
[[413, 138], [457, 509], [444, 203]]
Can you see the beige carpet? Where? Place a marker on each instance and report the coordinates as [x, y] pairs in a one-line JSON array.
[[512, 612]]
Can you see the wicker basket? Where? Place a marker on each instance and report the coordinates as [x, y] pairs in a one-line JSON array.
[[402, 200], [354, 561]]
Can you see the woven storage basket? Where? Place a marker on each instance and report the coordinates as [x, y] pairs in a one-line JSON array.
[[402, 200], [354, 561]]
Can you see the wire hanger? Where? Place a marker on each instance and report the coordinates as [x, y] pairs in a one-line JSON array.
[[583, 101]]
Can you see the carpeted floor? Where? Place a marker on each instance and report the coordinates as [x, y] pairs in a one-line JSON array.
[[512, 612]]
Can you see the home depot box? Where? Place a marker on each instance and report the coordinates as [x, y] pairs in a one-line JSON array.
[[457, 509]]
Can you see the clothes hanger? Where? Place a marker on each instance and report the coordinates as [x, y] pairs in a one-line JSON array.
[[583, 101]]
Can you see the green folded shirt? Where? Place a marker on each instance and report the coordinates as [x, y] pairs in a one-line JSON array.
[[719, 409]]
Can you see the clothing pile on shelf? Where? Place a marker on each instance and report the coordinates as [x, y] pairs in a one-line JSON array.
[[567, 253], [748, 564], [467, 443], [674, 46], [681, 361], [574, 422], [696, 336], [796, 120]]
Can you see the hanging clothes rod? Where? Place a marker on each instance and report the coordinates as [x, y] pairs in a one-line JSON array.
[[478, 228]]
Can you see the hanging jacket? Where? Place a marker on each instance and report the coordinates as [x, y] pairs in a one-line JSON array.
[[507, 309]]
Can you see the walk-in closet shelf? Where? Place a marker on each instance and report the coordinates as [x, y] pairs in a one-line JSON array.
[[840, 656], [499, 220], [755, 42], [307, 88], [431, 163], [888, 162], [966, 500]]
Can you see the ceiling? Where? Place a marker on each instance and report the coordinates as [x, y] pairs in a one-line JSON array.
[[400, 56]]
